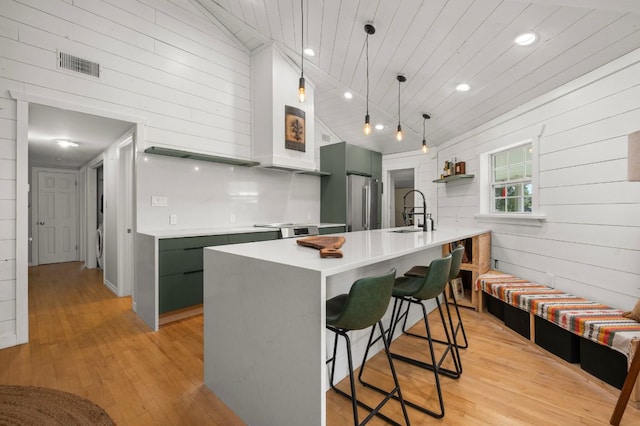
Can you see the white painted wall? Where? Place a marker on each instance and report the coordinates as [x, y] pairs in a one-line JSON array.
[[590, 240], [163, 61], [209, 196]]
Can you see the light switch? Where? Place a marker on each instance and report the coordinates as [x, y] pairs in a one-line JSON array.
[[158, 201], [173, 219]]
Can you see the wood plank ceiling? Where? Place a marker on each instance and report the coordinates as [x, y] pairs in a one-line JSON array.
[[436, 44]]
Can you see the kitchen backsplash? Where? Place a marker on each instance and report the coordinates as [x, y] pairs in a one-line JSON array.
[[212, 195]]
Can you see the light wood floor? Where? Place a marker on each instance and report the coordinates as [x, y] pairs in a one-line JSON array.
[[86, 341]]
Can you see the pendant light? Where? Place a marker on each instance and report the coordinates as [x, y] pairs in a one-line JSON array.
[[401, 79], [425, 117], [301, 93], [369, 29]]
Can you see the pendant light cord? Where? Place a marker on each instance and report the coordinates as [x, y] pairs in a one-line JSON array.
[[399, 83], [302, 47], [367, 53]]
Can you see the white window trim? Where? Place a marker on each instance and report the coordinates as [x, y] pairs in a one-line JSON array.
[[535, 218]]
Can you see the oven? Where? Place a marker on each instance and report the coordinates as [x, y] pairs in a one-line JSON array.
[[292, 230]]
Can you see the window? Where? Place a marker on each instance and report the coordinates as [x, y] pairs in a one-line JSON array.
[[511, 180], [509, 185]]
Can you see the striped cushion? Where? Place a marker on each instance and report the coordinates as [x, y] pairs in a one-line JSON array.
[[594, 321]]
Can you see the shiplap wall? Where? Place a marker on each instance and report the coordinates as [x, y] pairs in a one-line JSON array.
[[590, 241], [162, 60]]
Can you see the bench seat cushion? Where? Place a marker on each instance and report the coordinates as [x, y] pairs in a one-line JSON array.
[[593, 321]]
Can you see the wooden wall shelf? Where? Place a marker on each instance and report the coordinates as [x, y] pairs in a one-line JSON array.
[[453, 177]]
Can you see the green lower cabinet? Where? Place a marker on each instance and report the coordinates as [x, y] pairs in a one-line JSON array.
[[179, 261], [180, 266], [179, 291], [252, 237], [331, 230]]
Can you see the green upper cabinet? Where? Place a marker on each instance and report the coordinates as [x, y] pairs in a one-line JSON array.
[[358, 160], [376, 165], [340, 160]]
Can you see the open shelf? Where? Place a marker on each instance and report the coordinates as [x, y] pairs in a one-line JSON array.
[[453, 177], [475, 262], [197, 156]]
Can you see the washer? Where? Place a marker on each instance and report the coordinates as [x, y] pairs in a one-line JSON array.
[[99, 246]]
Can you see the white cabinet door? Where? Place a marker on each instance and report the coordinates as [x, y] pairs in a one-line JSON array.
[[57, 236]]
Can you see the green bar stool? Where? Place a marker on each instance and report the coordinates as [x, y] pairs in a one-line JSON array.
[[363, 307], [456, 261], [415, 291]]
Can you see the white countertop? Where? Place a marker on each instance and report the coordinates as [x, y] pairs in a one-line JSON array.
[[361, 248], [183, 233]]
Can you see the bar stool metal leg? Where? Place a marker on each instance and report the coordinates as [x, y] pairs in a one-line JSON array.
[[394, 393], [416, 291], [363, 307]]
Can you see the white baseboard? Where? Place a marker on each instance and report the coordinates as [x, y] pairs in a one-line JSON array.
[[111, 287]]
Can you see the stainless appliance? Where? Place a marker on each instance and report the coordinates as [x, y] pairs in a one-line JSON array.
[[292, 230], [363, 203]]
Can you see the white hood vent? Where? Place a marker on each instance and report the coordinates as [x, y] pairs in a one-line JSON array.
[[76, 64], [274, 87]]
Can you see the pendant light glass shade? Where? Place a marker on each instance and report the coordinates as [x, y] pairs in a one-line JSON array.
[[399, 133], [425, 148], [369, 29], [301, 92], [401, 79]]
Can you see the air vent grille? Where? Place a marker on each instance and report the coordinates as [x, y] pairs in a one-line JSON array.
[[80, 65]]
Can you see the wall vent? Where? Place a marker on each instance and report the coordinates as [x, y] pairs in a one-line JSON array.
[[80, 65]]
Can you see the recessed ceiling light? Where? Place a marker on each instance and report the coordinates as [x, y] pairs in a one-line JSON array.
[[309, 52], [348, 95], [379, 126], [463, 87], [65, 143], [525, 39]]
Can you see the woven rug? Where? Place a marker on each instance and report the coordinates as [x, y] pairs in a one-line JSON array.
[[31, 406]]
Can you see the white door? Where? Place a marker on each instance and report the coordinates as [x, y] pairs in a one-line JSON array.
[[57, 239]]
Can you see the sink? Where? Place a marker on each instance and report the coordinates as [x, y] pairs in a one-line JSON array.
[[404, 231]]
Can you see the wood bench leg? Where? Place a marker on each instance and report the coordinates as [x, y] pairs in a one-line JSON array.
[[625, 393]]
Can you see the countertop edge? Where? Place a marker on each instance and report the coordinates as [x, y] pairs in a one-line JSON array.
[[185, 233]]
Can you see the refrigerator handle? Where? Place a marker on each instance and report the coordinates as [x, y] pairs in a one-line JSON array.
[[364, 207], [368, 206]]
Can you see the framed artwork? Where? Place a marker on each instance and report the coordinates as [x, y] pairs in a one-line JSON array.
[[294, 129], [457, 288]]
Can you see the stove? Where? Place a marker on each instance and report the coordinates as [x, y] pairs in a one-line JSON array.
[[292, 230]]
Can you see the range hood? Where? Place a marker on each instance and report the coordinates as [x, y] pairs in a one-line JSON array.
[[274, 87]]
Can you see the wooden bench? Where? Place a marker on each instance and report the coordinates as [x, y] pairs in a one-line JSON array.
[[573, 328]]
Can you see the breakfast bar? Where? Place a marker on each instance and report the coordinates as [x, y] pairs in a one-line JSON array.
[[264, 316]]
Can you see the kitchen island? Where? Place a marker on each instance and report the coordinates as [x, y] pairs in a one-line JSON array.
[[264, 316]]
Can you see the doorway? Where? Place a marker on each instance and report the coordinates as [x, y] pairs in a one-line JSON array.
[[401, 181], [29, 140]]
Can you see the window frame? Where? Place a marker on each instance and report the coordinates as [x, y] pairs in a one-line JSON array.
[[533, 218], [521, 181]]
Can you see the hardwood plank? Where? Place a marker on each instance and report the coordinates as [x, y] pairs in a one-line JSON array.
[[85, 340]]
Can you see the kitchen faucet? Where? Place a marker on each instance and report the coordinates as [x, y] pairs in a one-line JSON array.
[[424, 207]]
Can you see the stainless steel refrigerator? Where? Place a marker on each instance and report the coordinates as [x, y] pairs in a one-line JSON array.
[[363, 203]]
